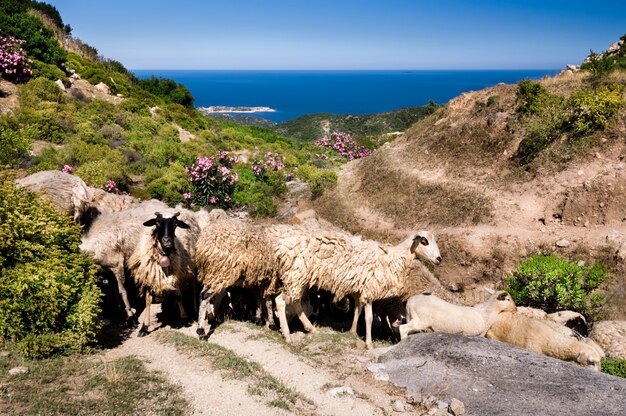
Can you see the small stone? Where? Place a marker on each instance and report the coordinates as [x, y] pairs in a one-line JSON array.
[[563, 243], [18, 370], [580, 263], [442, 405], [341, 391], [456, 407], [619, 166], [601, 204], [586, 224], [5, 353], [613, 236], [378, 370], [398, 406], [581, 172], [621, 253], [60, 84]]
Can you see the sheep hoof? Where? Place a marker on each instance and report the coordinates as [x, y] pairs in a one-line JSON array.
[[143, 331], [200, 331]]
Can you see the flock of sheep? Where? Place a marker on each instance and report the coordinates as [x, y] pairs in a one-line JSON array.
[[167, 250]]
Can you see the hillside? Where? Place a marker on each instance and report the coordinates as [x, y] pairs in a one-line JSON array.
[[459, 173]]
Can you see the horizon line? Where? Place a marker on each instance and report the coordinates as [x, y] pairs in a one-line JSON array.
[[351, 70]]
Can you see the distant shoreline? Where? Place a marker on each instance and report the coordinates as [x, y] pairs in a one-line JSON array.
[[239, 109]]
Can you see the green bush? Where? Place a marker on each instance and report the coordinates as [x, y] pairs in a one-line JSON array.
[[15, 142], [613, 367], [98, 172], [48, 71], [168, 184], [552, 283], [49, 301], [257, 194], [532, 97], [601, 65], [170, 91], [38, 92], [318, 180], [591, 111]]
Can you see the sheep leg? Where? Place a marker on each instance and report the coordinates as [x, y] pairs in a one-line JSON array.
[[143, 331], [281, 307], [269, 323], [357, 313], [297, 307], [131, 319], [369, 317], [205, 297], [179, 302], [414, 325]]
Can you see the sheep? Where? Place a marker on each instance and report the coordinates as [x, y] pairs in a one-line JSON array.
[[569, 319], [544, 337], [231, 252], [611, 336], [344, 265], [429, 312], [66, 191], [159, 260]]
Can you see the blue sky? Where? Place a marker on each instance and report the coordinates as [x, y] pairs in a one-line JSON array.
[[352, 34]]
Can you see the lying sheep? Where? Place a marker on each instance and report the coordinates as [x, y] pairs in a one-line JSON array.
[[611, 336], [428, 312], [231, 252], [66, 191], [569, 319], [344, 265], [542, 337], [159, 259]]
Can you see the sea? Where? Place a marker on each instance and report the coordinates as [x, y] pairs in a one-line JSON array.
[[284, 95]]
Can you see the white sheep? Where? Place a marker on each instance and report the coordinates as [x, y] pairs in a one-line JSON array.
[[544, 337], [427, 312], [344, 265], [231, 252], [159, 259], [65, 191], [569, 319], [611, 336]]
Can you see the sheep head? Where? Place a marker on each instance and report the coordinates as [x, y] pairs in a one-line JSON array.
[[504, 301], [425, 246], [165, 231]]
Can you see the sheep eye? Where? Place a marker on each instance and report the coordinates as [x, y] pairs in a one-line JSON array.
[[424, 241]]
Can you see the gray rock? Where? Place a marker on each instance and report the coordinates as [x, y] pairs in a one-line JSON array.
[[378, 370], [493, 378], [18, 370], [621, 252], [60, 84], [457, 407], [619, 166], [614, 236], [562, 243]]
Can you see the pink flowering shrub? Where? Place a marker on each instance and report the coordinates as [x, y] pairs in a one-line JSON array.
[[212, 180], [68, 169], [14, 66], [110, 186], [269, 162], [344, 145]]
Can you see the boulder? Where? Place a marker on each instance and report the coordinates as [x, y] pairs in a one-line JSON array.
[[493, 378], [102, 87]]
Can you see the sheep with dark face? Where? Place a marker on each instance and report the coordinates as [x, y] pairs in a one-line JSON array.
[[159, 259]]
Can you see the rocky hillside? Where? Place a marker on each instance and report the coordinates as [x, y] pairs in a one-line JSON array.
[[467, 173]]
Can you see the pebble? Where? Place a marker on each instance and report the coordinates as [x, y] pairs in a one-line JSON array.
[[614, 235], [563, 243], [398, 406], [457, 407], [341, 391], [18, 370]]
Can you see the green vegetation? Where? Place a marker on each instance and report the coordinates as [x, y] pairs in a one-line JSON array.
[[170, 91], [49, 301], [551, 117], [81, 385], [552, 283], [601, 65], [318, 179], [614, 367], [364, 128]]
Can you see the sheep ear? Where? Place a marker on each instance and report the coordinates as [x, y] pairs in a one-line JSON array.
[[418, 239], [150, 223], [181, 224], [503, 296]]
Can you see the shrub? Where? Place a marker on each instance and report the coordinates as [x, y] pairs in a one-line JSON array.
[[552, 283], [49, 301], [49, 71], [591, 111], [14, 66], [257, 193], [167, 89], [532, 97], [99, 172], [269, 162], [318, 180], [39, 91], [212, 180], [614, 367], [344, 145], [168, 184], [14, 142]]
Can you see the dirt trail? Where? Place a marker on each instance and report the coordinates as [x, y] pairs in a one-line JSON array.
[[328, 392]]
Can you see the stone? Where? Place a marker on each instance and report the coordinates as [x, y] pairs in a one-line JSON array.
[[614, 236], [102, 87], [456, 407], [580, 263], [304, 216], [15, 371], [621, 253], [442, 405], [619, 166], [378, 370], [341, 391], [563, 243], [60, 84], [572, 67], [398, 406]]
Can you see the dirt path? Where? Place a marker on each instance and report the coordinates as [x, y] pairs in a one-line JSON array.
[[349, 389]]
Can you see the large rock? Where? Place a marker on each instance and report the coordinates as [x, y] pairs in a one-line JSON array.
[[493, 378]]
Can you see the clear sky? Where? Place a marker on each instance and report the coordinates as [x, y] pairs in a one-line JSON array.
[[350, 34]]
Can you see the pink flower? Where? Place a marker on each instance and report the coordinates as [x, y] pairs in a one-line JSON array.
[[67, 169]]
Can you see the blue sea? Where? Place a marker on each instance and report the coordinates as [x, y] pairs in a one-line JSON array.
[[295, 93]]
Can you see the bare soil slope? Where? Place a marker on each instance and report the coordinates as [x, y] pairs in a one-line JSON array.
[[453, 173]]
